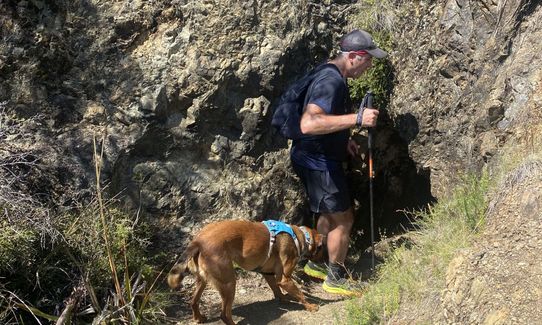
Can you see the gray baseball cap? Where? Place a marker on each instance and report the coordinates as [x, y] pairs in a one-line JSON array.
[[360, 40]]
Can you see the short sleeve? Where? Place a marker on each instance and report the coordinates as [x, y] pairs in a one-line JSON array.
[[324, 92]]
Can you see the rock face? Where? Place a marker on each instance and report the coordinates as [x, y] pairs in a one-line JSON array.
[[465, 72], [180, 92], [468, 93]]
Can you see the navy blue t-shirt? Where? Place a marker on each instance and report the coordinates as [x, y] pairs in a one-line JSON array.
[[326, 151]]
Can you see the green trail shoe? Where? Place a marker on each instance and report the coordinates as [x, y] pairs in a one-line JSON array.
[[315, 270], [344, 286]]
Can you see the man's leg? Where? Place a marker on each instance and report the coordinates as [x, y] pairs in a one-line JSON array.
[[337, 227], [328, 194]]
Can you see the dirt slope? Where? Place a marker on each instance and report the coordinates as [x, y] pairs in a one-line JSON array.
[[499, 280]]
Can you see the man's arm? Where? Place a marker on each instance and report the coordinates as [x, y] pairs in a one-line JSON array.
[[315, 120]]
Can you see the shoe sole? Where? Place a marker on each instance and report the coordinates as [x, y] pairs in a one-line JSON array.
[[314, 273], [339, 291]]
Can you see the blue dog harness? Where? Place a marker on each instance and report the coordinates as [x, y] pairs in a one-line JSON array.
[[276, 227]]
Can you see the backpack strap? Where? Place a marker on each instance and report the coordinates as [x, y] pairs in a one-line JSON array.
[[287, 116]]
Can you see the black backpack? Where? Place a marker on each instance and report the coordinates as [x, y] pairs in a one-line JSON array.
[[287, 115]]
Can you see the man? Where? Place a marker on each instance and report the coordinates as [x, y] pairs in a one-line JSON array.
[[318, 157]]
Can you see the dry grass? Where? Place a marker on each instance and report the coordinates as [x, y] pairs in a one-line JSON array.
[[67, 263], [520, 157], [20, 169]]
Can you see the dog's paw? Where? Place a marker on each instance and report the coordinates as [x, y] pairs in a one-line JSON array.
[[311, 307], [283, 298]]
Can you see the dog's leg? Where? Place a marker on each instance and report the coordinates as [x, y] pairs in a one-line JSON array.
[[272, 281], [219, 271], [289, 285], [200, 286], [227, 292]]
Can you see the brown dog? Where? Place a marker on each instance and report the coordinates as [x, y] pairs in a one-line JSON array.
[[211, 254]]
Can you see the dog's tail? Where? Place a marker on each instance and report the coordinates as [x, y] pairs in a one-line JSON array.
[[179, 271]]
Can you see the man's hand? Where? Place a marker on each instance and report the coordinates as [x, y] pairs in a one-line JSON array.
[[369, 117], [352, 148]]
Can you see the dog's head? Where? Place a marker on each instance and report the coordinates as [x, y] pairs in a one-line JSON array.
[[316, 245]]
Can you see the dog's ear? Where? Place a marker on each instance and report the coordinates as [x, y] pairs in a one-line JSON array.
[[318, 249], [319, 240]]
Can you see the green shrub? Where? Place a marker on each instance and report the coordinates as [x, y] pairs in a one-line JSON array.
[[85, 241], [43, 273]]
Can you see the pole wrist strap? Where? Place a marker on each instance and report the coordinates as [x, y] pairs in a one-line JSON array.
[[359, 118]]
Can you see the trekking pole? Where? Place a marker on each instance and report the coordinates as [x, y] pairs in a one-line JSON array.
[[371, 176]]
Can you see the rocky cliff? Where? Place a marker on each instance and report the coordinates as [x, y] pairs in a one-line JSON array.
[[181, 92], [465, 77]]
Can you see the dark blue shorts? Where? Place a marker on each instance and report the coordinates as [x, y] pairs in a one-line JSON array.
[[327, 190]]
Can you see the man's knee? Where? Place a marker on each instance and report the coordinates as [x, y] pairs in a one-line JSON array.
[[343, 219], [349, 219]]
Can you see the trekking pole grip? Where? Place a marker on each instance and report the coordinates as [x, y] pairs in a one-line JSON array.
[[370, 99]]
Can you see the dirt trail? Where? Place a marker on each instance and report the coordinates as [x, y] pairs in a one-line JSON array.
[[255, 305]]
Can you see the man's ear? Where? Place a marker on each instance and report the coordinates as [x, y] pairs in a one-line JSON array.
[[352, 56]]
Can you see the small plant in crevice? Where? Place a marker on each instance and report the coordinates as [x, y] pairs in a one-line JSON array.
[[375, 17]]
